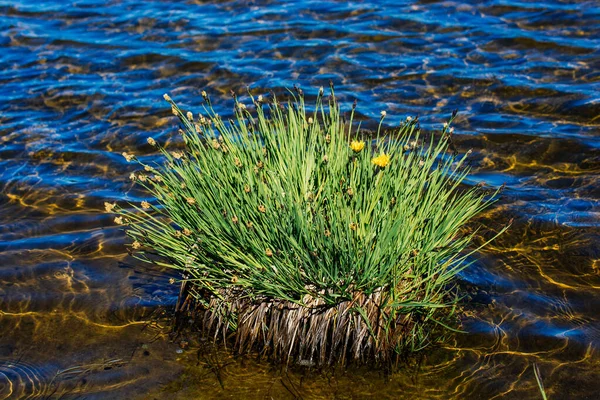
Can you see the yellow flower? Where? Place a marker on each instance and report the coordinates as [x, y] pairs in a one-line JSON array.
[[109, 207], [187, 232], [381, 160], [145, 205], [177, 154], [357, 145], [191, 200], [262, 208], [151, 141], [269, 252], [136, 245], [167, 97], [353, 226], [119, 220]]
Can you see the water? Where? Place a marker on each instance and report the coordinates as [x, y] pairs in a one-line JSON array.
[[82, 82]]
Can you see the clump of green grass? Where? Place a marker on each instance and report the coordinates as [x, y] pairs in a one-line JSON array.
[[303, 238]]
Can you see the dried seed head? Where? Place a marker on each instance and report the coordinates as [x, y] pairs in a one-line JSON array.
[[109, 207], [451, 130], [128, 156], [145, 205], [174, 110]]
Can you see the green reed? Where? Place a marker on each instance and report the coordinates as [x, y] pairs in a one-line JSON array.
[[282, 204]]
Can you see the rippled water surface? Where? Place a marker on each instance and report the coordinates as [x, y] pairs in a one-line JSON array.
[[82, 82]]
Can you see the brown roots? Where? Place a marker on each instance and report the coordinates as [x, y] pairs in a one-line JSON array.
[[358, 331]]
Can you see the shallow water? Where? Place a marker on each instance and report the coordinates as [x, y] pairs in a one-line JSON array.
[[83, 82]]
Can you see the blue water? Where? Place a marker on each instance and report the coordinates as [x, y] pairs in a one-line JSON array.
[[82, 81]]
